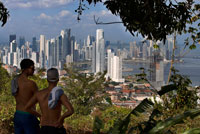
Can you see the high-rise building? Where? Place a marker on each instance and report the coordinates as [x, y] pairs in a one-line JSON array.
[[93, 57], [157, 70], [12, 37], [53, 50], [42, 44], [144, 51], [131, 48], [47, 53], [21, 41], [100, 56], [13, 46], [15, 59], [42, 51], [114, 67], [68, 47], [64, 43], [34, 44], [109, 63], [10, 58], [59, 49], [72, 47]]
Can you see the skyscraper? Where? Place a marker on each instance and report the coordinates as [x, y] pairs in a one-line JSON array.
[[64, 43], [42, 51], [109, 63], [12, 37], [114, 67], [100, 56], [157, 70], [13, 46], [34, 44], [68, 47], [58, 49], [21, 41]]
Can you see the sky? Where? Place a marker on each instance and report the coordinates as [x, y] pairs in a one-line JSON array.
[[31, 18]]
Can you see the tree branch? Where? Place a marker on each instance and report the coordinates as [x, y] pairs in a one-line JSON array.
[[103, 23]]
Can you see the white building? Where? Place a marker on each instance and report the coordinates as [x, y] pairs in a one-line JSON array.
[[42, 51], [13, 46], [99, 51], [114, 67], [15, 59]]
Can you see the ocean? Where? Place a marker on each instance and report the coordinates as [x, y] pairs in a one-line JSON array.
[[189, 67]]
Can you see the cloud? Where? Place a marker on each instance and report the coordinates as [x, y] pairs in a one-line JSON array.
[[57, 17], [64, 13], [44, 16], [35, 3]]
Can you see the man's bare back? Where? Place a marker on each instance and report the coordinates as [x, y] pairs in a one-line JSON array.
[[49, 116], [26, 90]]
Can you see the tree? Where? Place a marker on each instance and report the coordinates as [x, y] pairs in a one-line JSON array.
[[86, 92], [154, 19], [4, 79], [4, 14]]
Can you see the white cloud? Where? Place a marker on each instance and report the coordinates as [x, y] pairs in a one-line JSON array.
[[44, 16], [64, 13], [35, 3]]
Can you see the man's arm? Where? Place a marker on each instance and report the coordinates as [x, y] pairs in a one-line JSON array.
[[34, 87], [32, 103], [70, 110]]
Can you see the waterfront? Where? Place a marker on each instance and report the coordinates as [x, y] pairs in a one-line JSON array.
[[189, 67]]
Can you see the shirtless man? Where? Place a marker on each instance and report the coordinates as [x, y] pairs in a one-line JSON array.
[[51, 119], [23, 89]]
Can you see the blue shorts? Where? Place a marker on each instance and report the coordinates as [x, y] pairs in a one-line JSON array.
[[25, 123]]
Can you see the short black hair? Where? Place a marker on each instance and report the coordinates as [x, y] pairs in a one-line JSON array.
[[26, 63]]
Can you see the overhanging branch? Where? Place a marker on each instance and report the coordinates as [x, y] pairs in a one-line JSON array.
[[105, 23]]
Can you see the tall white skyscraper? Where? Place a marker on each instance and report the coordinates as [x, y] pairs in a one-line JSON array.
[[15, 59], [109, 63], [64, 43], [42, 44], [13, 46], [114, 67], [42, 51], [100, 56]]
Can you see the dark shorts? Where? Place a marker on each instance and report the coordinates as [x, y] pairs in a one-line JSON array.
[[52, 130], [25, 123]]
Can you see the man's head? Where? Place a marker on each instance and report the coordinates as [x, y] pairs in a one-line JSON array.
[[52, 75], [27, 65]]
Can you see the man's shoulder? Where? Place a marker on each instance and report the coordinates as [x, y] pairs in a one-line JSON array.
[[42, 91], [31, 82]]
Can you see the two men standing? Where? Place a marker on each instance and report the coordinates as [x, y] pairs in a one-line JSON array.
[[50, 100]]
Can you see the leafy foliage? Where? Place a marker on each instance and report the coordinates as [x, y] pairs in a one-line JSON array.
[[193, 28], [4, 79], [7, 108], [86, 92], [192, 131], [154, 19], [161, 126], [182, 97], [4, 14]]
